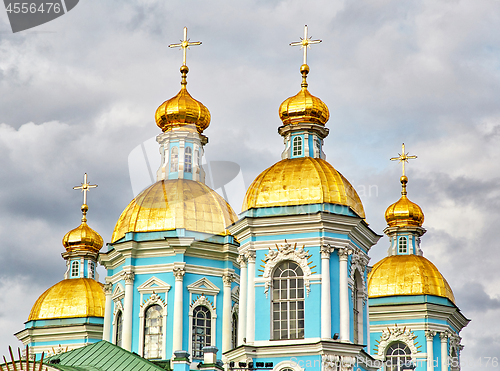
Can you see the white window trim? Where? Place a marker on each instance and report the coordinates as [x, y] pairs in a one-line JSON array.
[[203, 287], [202, 300], [118, 308], [153, 300], [288, 364]]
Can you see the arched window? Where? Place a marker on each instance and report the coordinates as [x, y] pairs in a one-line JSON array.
[[153, 332], [174, 160], [234, 332], [297, 146], [357, 308], [92, 270], [202, 327], [318, 147], [402, 243], [119, 329], [188, 159], [75, 269], [288, 301], [396, 355]]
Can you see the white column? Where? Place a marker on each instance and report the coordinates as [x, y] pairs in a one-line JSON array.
[[242, 305], [127, 311], [444, 351], [178, 306], [344, 294], [108, 289], [250, 330], [429, 335], [226, 312], [326, 300]]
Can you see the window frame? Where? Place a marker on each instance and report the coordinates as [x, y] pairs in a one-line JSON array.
[[159, 333], [188, 160], [207, 337], [297, 146], [75, 267], [290, 309], [402, 245], [174, 159], [407, 356]]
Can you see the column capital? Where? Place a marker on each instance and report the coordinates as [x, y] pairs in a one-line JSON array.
[[251, 256], [429, 335], [227, 278], [444, 336], [129, 278], [179, 273], [344, 252], [242, 261], [108, 288], [325, 251]]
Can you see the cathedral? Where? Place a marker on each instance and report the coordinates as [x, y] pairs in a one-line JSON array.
[[285, 285]]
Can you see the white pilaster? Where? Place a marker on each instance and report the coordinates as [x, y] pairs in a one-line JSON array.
[[444, 351], [127, 311], [326, 301], [429, 335], [250, 330], [108, 290], [344, 294], [178, 304], [242, 315], [226, 312]]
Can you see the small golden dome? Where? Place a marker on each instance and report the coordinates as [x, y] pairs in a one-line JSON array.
[[404, 212], [76, 297], [83, 237], [182, 110], [301, 181], [172, 204], [407, 275], [304, 107]]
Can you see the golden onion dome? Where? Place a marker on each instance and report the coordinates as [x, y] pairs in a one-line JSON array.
[[301, 181], [175, 203], [182, 110], [404, 212], [304, 107], [407, 275], [70, 298], [83, 237]]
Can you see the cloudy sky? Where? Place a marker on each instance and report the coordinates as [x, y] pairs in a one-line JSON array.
[[78, 94]]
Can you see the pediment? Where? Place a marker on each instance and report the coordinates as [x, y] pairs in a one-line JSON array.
[[203, 286], [154, 284]]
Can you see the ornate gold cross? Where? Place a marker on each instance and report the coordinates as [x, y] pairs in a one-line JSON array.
[[403, 157], [184, 45], [85, 187], [305, 42]]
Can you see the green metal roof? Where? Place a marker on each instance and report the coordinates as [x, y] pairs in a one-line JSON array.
[[101, 356]]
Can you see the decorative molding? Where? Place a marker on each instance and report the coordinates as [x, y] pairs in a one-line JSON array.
[[153, 285], [242, 261], [330, 362], [344, 252], [108, 288], [118, 292], [129, 277], [393, 334], [429, 335], [287, 252], [235, 294], [325, 251], [251, 256], [179, 273], [204, 287], [227, 279], [284, 365]]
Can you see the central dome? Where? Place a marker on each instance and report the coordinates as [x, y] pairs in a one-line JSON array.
[[172, 204], [71, 298], [301, 181], [407, 275]]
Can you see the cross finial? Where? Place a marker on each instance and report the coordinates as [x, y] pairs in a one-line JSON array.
[[403, 157], [184, 45], [85, 188], [305, 43]]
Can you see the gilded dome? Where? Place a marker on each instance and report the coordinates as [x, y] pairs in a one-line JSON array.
[[407, 275], [175, 203], [404, 212], [182, 110], [76, 297], [304, 107], [83, 238], [301, 181]]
